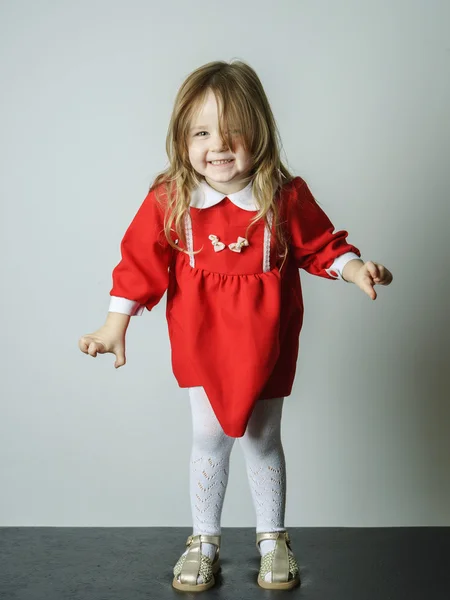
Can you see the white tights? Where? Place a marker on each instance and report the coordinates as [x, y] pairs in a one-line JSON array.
[[210, 459]]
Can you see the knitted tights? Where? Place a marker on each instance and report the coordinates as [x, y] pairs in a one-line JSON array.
[[209, 467]]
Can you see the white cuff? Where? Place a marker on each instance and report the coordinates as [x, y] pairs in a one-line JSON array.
[[335, 271], [125, 306]]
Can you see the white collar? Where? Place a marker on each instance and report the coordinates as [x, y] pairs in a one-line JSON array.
[[205, 196]]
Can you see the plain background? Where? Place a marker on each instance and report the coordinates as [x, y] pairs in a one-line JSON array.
[[361, 93]]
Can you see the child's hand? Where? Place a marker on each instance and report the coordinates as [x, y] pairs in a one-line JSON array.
[[106, 339], [371, 274]]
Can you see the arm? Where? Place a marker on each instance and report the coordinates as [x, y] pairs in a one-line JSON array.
[[142, 275], [321, 251], [316, 247], [139, 280]]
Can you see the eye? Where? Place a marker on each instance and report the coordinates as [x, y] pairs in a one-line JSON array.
[[199, 134]]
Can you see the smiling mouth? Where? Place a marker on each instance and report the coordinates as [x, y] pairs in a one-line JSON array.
[[221, 162]]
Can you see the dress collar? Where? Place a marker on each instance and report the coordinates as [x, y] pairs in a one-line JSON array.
[[204, 196]]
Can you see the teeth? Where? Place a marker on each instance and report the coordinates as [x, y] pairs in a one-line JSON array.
[[220, 162]]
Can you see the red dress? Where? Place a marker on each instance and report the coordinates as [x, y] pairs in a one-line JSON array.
[[234, 316]]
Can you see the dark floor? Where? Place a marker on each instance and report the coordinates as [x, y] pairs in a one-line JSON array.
[[45, 563]]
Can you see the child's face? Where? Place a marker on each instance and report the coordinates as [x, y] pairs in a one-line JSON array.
[[205, 148]]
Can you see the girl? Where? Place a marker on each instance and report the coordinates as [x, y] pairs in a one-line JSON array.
[[224, 230]]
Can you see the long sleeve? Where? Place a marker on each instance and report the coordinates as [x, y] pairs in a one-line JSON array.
[[316, 247], [142, 275]]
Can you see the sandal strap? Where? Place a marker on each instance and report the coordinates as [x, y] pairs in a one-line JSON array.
[[272, 535], [191, 566], [204, 539], [280, 563]]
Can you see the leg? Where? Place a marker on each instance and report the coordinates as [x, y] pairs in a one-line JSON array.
[[266, 466], [266, 469], [209, 467]]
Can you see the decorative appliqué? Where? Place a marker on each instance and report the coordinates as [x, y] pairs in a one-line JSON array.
[[237, 246], [218, 245]]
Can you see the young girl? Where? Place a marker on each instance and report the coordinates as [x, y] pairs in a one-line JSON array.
[[224, 230]]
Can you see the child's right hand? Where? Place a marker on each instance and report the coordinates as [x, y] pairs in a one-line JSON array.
[[104, 340]]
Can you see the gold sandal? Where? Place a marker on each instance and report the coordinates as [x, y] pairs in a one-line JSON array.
[[279, 562], [194, 563]]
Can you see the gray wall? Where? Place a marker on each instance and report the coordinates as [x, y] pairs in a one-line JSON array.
[[361, 93]]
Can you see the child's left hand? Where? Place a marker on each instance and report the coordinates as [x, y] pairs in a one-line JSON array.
[[371, 274]]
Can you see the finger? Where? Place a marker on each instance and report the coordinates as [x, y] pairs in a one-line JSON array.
[[120, 359], [372, 268], [387, 279], [83, 344], [367, 287], [92, 349], [96, 347], [384, 279], [381, 273]]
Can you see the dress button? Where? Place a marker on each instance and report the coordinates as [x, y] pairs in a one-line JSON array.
[[332, 273]]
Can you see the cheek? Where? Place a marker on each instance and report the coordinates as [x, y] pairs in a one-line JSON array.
[[245, 159], [192, 154], [195, 153]]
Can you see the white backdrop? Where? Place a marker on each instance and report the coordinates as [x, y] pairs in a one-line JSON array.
[[361, 93]]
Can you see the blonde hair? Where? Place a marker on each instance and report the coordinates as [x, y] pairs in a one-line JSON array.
[[244, 105]]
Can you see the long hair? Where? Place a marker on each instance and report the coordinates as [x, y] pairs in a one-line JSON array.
[[243, 105]]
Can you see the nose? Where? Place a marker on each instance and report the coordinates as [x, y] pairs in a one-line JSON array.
[[217, 144]]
